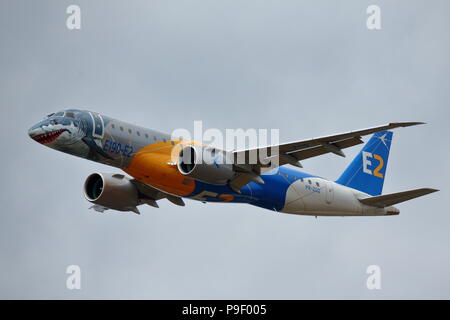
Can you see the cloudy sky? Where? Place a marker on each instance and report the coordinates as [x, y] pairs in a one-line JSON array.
[[308, 68]]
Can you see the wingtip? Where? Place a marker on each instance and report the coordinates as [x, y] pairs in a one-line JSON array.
[[429, 190], [406, 124]]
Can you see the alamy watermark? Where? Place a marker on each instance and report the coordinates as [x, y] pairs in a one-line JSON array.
[[73, 281], [373, 21], [235, 146], [374, 280], [73, 21]]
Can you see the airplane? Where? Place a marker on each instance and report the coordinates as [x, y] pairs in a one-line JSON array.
[[146, 156]]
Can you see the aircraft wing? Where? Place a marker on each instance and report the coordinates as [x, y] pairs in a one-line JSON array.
[[150, 195], [293, 152]]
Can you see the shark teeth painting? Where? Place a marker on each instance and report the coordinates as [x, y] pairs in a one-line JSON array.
[[48, 137], [70, 131]]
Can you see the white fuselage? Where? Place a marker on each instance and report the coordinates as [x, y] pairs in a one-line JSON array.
[[320, 197]]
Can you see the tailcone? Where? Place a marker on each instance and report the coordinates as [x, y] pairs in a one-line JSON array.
[[392, 211]]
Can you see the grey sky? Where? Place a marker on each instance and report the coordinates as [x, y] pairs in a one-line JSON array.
[[309, 68]]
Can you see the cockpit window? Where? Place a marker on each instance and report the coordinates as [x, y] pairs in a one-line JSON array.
[[59, 114], [70, 115], [59, 120]]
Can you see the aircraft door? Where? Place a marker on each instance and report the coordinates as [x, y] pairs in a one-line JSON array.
[[97, 125], [329, 193]]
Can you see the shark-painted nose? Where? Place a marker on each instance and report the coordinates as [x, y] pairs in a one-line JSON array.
[[37, 129], [46, 132], [32, 132]]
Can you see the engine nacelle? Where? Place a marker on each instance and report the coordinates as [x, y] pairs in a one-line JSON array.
[[113, 191], [205, 164]]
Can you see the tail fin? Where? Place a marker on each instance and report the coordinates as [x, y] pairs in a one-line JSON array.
[[368, 169]]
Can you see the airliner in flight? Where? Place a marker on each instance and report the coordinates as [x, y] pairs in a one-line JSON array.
[[146, 156]]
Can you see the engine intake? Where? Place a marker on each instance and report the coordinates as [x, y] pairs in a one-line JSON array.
[[113, 191], [205, 164]]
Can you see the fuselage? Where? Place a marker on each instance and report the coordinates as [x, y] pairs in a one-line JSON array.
[[147, 155]]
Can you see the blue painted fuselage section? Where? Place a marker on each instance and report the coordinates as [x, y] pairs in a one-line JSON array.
[[270, 195]]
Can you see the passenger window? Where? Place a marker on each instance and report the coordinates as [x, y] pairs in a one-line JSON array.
[[317, 184], [113, 126], [138, 133], [146, 135], [129, 131], [309, 181], [121, 128]]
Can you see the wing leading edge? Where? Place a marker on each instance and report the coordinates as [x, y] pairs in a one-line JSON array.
[[293, 152], [304, 149]]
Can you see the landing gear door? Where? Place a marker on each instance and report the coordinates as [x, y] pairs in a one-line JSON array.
[[97, 125]]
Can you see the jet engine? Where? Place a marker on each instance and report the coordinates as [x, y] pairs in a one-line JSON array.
[[205, 164], [112, 191]]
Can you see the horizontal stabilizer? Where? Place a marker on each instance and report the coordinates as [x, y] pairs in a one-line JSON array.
[[394, 198]]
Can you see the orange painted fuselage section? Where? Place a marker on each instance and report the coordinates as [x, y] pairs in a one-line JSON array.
[[155, 165]]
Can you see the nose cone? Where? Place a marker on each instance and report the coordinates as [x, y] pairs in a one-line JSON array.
[[45, 132], [36, 130], [32, 132]]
